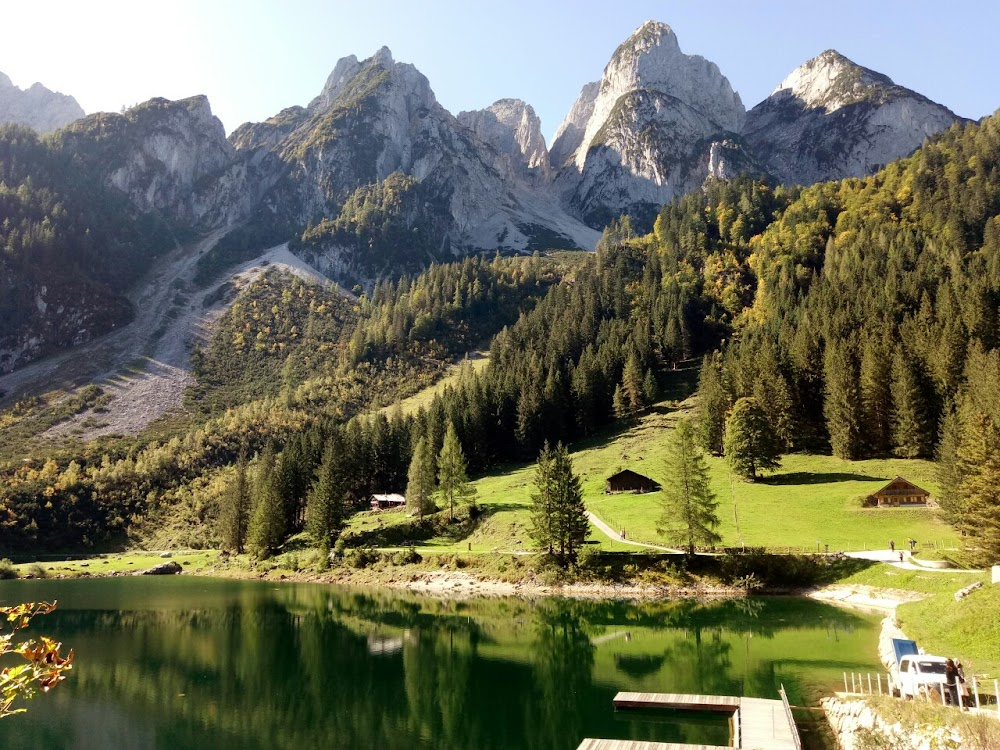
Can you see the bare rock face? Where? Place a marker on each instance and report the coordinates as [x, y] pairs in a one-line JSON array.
[[646, 130], [169, 157], [831, 119], [378, 119], [36, 107], [512, 129]]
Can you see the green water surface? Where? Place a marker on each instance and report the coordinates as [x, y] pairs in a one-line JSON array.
[[179, 663]]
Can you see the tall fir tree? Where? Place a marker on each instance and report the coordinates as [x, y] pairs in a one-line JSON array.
[[979, 512], [876, 395], [559, 518], [750, 443], [234, 515], [842, 405], [453, 482], [713, 403], [422, 480], [326, 505], [267, 522], [910, 428], [690, 510]]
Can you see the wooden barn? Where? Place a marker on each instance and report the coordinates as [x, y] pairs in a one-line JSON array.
[[900, 493], [387, 502], [629, 481]]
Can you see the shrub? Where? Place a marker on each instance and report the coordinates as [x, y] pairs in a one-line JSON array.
[[7, 570], [38, 571]]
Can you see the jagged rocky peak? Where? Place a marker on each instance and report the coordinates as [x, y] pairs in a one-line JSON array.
[[570, 134], [37, 107], [513, 129], [831, 81], [832, 118], [652, 59], [638, 138]]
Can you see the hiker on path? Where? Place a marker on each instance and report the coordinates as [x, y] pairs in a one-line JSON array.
[[913, 543], [892, 545]]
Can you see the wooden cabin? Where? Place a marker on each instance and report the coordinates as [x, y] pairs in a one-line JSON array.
[[900, 493], [629, 481], [392, 501]]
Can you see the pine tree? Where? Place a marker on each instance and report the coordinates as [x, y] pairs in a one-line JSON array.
[[267, 523], [421, 480], [235, 512], [948, 467], [632, 385], [750, 442], [876, 396], [453, 484], [689, 506], [713, 403], [325, 509], [559, 518], [979, 514], [842, 405], [910, 433]]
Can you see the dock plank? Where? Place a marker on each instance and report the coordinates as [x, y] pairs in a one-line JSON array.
[[726, 703], [763, 724], [596, 744]]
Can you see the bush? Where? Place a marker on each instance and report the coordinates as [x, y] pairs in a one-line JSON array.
[[408, 557], [7, 570], [37, 571]]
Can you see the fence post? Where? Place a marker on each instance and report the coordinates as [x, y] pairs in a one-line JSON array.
[[880, 683], [975, 689], [853, 684], [869, 683], [941, 685], [845, 684], [996, 691]]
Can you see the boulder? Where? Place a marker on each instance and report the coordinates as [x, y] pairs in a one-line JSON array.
[[164, 569]]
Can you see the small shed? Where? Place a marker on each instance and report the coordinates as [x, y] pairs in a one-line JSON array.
[[392, 501], [901, 493], [629, 481]]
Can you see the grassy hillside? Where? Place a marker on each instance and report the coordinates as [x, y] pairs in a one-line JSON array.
[[810, 498]]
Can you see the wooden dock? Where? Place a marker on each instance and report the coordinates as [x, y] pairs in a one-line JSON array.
[[758, 723]]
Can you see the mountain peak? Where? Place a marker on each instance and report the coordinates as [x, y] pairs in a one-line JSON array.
[[36, 106], [830, 80], [382, 57]]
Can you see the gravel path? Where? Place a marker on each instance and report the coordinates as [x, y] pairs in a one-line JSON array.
[[616, 536]]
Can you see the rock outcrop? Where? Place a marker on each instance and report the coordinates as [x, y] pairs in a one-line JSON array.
[[832, 118], [512, 129], [376, 118], [36, 107], [646, 133], [169, 157]]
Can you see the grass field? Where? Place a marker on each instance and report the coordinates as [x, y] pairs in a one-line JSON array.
[[810, 502]]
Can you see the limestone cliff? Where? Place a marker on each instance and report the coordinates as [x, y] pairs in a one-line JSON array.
[[36, 107], [832, 118]]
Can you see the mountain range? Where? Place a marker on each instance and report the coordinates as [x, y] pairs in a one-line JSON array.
[[374, 178]]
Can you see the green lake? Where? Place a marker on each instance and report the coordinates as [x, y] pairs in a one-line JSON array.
[[179, 663]]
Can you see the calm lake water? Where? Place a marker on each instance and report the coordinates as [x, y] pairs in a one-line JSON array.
[[179, 663]]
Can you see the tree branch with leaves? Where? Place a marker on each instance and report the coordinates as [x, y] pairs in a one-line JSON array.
[[43, 667]]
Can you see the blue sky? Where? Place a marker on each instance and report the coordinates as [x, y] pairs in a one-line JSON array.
[[254, 57]]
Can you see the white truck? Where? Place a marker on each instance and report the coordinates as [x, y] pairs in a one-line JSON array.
[[921, 674]]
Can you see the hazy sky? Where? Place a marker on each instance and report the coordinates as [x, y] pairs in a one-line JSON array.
[[255, 57]]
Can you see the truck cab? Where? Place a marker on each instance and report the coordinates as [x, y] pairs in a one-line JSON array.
[[920, 674]]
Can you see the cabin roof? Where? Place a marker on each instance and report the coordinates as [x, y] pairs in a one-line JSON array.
[[900, 486], [393, 497], [629, 474]]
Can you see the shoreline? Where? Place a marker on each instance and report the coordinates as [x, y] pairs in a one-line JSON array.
[[459, 584]]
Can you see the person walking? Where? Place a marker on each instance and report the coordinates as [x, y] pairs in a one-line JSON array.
[[892, 545], [951, 681]]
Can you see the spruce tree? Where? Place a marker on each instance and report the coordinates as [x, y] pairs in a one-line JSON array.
[[713, 403], [421, 480], [235, 512], [750, 442], [910, 433], [632, 385], [325, 509], [559, 518], [979, 514], [689, 506], [267, 523], [876, 396], [842, 405], [453, 484]]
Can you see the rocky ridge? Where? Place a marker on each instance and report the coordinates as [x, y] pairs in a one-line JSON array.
[[832, 118], [37, 107], [513, 130], [645, 133]]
